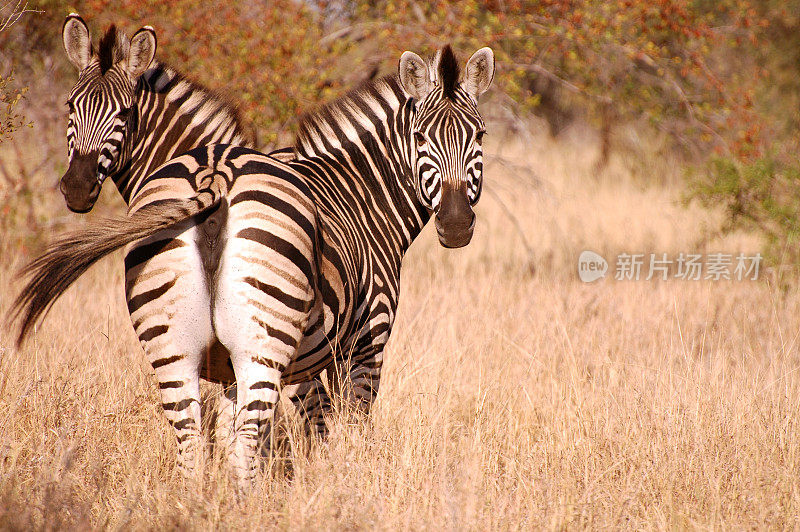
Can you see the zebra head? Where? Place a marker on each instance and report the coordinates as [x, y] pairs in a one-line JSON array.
[[101, 105], [447, 135]]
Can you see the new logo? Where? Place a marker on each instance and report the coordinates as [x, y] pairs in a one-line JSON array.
[[591, 266]]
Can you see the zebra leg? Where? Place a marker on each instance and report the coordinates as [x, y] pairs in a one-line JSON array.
[[226, 412], [359, 384], [170, 311], [312, 402], [263, 294], [179, 384], [365, 380], [354, 382], [257, 394], [261, 345]]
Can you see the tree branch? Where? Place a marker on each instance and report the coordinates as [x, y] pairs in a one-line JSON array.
[[18, 8]]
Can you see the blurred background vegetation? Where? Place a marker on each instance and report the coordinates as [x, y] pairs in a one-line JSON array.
[[710, 86]]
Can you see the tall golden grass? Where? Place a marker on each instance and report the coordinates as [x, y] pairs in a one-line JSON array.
[[510, 399]]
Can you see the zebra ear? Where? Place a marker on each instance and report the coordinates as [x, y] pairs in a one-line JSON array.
[[480, 72], [142, 51], [77, 42], [414, 76]]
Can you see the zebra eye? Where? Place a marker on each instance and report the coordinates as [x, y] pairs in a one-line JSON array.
[[419, 138], [124, 114], [70, 106], [479, 138]]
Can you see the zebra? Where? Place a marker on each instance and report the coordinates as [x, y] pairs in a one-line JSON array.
[[272, 271], [129, 113]]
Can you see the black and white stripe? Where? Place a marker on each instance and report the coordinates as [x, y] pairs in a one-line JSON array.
[[128, 118], [269, 272]]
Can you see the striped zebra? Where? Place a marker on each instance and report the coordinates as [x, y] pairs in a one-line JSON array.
[[129, 113], [270, 272]]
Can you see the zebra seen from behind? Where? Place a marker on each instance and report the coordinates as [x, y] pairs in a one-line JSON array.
[[271, 271], [129, 113]]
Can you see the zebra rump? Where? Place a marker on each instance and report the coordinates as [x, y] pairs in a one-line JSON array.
[[67, 258]]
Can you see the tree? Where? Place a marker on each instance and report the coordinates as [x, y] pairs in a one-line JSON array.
[[10, 95], [761, 193]]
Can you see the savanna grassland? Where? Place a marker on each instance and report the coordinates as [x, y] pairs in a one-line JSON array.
[[513, 397]]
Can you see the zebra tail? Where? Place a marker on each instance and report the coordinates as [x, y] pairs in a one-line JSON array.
[[67, 258]]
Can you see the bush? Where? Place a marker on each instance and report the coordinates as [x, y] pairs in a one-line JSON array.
[[761, 195], [620, 61], [11, 119]]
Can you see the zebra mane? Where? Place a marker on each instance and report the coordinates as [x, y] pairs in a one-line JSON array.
[[449, 72], [448, 75], [162, 76], [326, 114], [113, 48]]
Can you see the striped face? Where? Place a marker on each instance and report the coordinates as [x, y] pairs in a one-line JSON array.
[[101, 115], [102, 106], [448, 136], [448, 132]]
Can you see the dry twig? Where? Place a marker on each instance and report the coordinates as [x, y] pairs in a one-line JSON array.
[[18, 8]]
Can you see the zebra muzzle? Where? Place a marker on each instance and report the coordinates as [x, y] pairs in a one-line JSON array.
[[455, 239], [455, 219], [80, 184]]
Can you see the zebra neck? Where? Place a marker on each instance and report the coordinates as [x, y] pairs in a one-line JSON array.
[[172, 115], [356, 155]]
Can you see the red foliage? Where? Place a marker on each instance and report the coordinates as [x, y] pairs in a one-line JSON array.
[[685, 66]]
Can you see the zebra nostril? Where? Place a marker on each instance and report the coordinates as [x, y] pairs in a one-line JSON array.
[[456, 217], [62, 187]]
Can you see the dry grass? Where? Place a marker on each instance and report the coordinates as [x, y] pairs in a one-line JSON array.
[[509, 400]]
